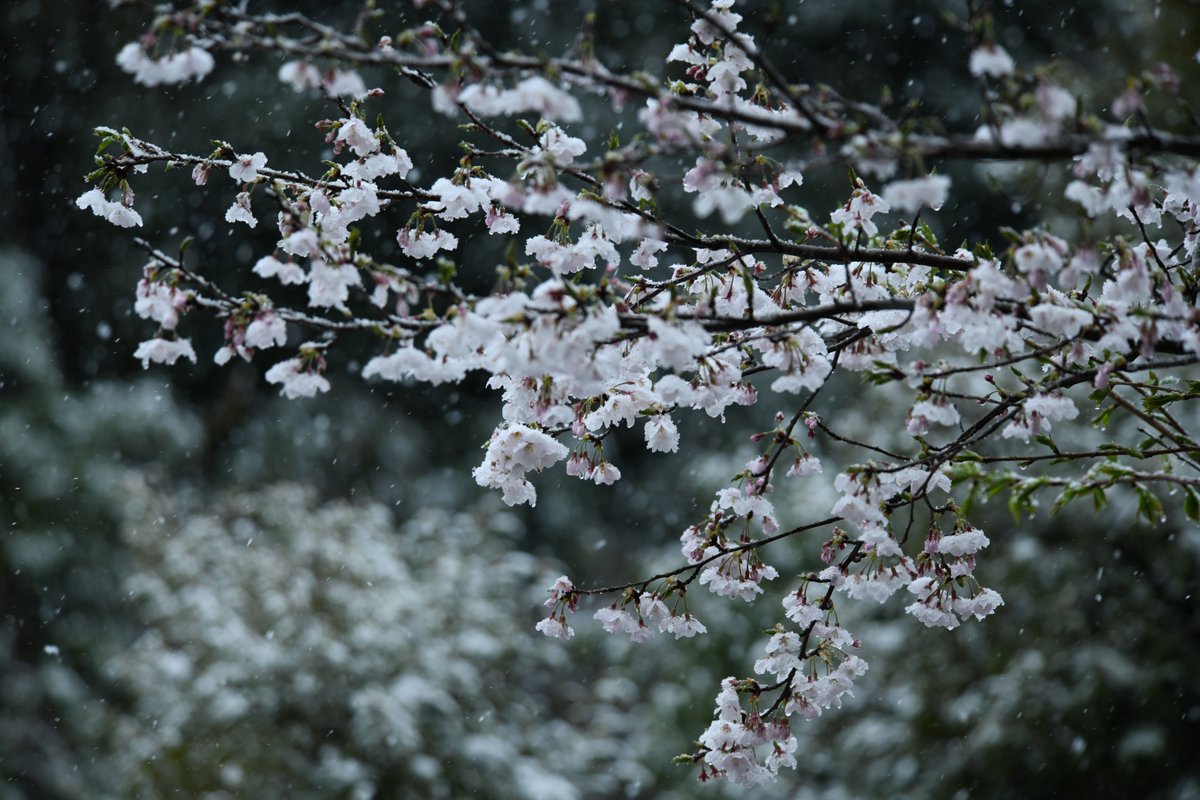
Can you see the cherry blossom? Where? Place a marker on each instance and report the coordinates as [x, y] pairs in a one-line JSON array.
[[296, 379], [164, 351], [240, 211], [118, 214], [267, 330], [913, 195], [991, 60], [534, 93], [361, 139], [245, 168], [177, 67], [286, 272], [661, 434], [672, 269]]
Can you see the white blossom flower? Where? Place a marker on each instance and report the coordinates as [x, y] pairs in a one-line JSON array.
[[179, 67], [424, 244], [303, 243], [379, 165], [296, 381], [858, 211], [1055, 102], [159, 301], [164, 351], [245, 168], [555, 627], [116, 213], [684, 626], [329, 284], [963, 543], [457, 200], [531, 94], [355, 133], [300, 75], [991, 60], [1040, 258], [1051, 406], [1060, 320], [929, 412], [344, 83], [876, 587], [288, 273], [512, 451], [606, 474], [804, 466], [615, 620], [913, 195], [499, 221], [661, 434], [981, 605], [267, 330], [933, 615], [240, 211], [644, 256]]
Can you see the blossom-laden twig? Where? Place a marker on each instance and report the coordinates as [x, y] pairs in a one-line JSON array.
[[622, 309]]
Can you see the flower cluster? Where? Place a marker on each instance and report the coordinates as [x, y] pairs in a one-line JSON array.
[[179, 67], [119, 214], [512, 452], [734, 739]]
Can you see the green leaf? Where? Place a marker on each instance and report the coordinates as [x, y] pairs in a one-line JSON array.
[[959, 472], [1042, 438], [1014, 507], [968, 502], [1104, 417], [1159, 401], [1149, 506], [1191, 505]]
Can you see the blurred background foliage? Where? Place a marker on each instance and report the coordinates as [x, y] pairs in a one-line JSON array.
[[206, 591]]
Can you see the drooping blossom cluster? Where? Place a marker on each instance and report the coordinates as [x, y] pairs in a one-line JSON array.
[[612, 314]]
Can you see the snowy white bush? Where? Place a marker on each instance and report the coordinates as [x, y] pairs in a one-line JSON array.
[[355, 655]]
